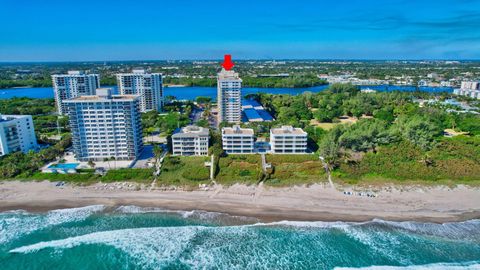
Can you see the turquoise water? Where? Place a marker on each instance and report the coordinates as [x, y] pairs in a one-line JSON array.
[[64, 166], [130, 237]]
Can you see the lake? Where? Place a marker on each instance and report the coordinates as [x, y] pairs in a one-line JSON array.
[[190, 93]]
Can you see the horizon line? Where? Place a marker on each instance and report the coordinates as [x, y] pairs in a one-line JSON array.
[[248, 59]]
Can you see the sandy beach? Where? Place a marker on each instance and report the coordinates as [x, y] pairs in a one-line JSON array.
[[314, 203]]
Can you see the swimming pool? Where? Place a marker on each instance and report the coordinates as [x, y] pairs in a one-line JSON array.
[[64, 166]]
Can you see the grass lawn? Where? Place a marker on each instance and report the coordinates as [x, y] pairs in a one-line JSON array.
[[245, 169], [291, 170], [87, 177], [143, 176], [326, 126], [184, 171], [78, 178]]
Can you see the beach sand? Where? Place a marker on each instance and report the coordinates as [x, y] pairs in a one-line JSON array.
[[314, 203]]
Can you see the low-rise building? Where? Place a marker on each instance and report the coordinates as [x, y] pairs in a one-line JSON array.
[[237, 140], [254, 111], [288, 140], [105, 126], [190, 141], [17, 134]]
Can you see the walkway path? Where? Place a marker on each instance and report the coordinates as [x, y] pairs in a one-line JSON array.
[[327, 170]]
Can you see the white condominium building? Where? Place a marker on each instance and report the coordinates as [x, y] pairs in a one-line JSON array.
[[470, 89], [147, 85], [229, 97], [72, 85], [105, 126], [190, 141], [17, 134], [236, 140], [288, 140]]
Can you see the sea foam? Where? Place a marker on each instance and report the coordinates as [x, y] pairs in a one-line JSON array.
[[474, 265], [15, 224]]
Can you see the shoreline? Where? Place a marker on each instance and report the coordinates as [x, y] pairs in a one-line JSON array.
[[315, 203]]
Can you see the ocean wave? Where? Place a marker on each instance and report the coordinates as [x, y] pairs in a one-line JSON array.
[[149, 247], [307, 224], [257, 246], [448, 229], [464, 230], [15, 224], [473, 265], [380, 235], [195, 214]]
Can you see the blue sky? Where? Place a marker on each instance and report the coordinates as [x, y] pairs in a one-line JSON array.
[[83, 30]]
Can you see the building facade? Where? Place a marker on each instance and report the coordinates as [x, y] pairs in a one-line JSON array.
[[72, 85], [236, 140], [469, 89], [105, 126], [288, 140], [149, 86], [229, 97], [17, 134], [190, 141]]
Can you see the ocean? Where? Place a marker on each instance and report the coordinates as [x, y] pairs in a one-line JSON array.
[[190, 93], [130, 237]]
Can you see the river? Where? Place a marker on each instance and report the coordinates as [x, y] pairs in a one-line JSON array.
[[190, 93]]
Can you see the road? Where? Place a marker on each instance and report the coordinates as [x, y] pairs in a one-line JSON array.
[[196, 115]]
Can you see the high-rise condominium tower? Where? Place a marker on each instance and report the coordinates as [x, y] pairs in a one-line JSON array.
[[17, 134], [72, 85], [105, 126], [229, 97], [147, 85]]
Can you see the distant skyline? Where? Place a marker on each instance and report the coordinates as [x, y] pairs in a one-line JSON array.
[[88, 30]]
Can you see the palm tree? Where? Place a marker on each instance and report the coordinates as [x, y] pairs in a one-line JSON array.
[[91, 164], [157, 152], [114, 162], [108, 161]]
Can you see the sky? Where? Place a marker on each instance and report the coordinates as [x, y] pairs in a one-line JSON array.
[[106, 30]]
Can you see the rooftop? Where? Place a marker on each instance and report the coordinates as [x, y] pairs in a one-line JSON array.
[[252, 115], [288, 130], [228, 75], [188, 131], [104, 94], [6, 118], [254, 111], [236, 129], [137, 72], [73, 73]]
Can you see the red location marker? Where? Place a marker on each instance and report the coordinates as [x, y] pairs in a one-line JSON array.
[[227, 62]]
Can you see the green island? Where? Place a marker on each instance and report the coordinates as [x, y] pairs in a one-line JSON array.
[[363, 138]]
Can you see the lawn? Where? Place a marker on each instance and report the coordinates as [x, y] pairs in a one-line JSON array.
[[86, 177], [288, 170], [144, 176], [323, 125], [245, 169], [184, 171], [78, 178]]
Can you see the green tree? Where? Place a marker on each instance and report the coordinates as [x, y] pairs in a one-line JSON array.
[[366, 134], [385, 114], [419, 130], [329, 150]]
